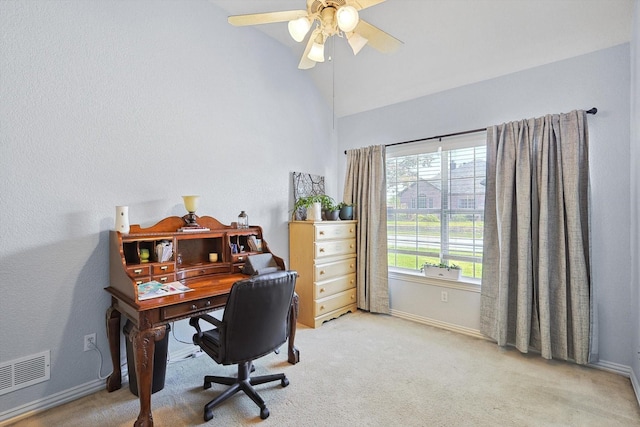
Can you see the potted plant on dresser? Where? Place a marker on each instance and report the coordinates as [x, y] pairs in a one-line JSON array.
[[312, 206], [346, 210], [330, 210]]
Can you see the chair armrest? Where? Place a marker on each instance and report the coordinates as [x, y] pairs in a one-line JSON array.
[[195, 322]]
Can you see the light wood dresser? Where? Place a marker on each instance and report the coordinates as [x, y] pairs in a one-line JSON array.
[[324, 255]]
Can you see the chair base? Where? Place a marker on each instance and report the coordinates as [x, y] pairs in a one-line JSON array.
[[243, 383]]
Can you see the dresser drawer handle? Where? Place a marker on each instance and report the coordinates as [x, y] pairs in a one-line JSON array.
[[164, 267], [353, 296], [351, 230], [321, 272], [194, 307], [351, 281], [137, 271], [321, 249], [321, 233], [350, 265], [321, 290], [321, 307], [350, 246]]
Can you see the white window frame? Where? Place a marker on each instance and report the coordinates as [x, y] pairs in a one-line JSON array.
[[432, 146]]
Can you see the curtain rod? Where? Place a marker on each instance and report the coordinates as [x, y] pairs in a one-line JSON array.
[[593, 110]]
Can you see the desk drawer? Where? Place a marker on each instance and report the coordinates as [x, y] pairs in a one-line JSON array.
[[335, 231], [186, 309], [164, 268], [330, 287], [335, 247], [329, 270], [335, 302], [202, 271], [165, 278], [139, 270]]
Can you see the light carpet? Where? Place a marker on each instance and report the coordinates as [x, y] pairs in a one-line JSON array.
[[376, 370]]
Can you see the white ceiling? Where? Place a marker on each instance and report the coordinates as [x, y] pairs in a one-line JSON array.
[[448, 43]]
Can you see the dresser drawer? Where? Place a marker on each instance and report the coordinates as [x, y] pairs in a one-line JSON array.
[[334, 302], [335, 247], [335, 231], [329, 270], [333, 286], [164, 268]]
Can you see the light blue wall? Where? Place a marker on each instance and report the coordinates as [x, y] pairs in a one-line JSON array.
[[132, 103], [601, 80], [635, 200]]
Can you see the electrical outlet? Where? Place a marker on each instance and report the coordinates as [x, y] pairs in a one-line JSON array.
[[444, 296], [89, 341]]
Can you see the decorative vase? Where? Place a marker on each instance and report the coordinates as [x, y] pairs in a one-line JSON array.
[[314, 212], [346, 212], [122, 219]]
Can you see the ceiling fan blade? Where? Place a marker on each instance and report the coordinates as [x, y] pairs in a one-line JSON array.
[[363, 4], [377, 38], [266, 18], [305, 62]]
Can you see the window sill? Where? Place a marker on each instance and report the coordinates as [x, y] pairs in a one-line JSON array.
[[465, 284]]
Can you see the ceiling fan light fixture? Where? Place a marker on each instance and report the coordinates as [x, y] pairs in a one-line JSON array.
[[298, 28], [348, 18], [316, 53], [356, 41]]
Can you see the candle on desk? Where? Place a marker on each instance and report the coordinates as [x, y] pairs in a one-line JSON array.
[[213, 257]]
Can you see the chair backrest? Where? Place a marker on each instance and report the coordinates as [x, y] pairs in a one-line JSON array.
[[256, 316]]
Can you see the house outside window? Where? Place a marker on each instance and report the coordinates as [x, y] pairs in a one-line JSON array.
[[435, 203]]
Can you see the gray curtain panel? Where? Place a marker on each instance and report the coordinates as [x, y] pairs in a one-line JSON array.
[[536, 286], [366, 185]]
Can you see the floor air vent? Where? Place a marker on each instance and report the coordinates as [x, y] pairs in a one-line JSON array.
[[23, 372]]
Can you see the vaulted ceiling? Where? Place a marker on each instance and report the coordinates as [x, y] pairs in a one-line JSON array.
[[447, 43]]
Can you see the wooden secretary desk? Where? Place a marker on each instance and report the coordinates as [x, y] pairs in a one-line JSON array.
[[189, 264]]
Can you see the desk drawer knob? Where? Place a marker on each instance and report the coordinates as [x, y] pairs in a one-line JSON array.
[[164, 267], [137, 271], [163, 279], [208, 303], [194, 307]]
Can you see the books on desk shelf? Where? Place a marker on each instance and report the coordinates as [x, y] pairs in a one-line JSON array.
[[155, 289], [254, 244]]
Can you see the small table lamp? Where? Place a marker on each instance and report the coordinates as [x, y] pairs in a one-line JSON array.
[[191, 205]]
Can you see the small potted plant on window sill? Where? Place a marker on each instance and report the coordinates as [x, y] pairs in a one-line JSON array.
[[442, 271]]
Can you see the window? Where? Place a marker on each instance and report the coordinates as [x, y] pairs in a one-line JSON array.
[[435, 203]]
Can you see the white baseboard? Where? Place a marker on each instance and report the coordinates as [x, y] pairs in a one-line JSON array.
[[602, 364], [636, 385], [24, 411], [438, 324]]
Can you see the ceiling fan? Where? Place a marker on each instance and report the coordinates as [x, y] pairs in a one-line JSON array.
[[332, 17]]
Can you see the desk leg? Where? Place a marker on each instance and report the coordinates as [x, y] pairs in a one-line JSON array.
[[114, 381], [144, 344], [294, 353]]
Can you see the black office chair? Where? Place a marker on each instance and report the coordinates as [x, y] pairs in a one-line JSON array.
[[255, 323]]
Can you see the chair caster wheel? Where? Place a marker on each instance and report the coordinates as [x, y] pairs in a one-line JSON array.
[[264, 413], [208, 415], [284, 382]]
